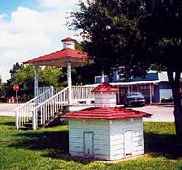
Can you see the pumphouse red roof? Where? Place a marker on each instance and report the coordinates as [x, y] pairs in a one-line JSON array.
[[104, 87], [59, 58], [106, 113]]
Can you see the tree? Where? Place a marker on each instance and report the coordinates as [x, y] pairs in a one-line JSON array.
[[136, 34], [24, 76], [25, 73], [1, 87], [110, 33], [85, 74], [162, 23], [13, 72], [51, 76], [11, 81]]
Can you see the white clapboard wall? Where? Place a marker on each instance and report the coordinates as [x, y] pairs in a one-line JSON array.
[[119, 141], [106, 139]]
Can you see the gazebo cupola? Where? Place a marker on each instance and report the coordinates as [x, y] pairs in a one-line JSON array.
[[69, 43]]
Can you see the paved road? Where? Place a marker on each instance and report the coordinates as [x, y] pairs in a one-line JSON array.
[[159, 113], [7, 109]]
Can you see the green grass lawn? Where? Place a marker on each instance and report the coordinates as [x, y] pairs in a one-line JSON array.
[[47, 149]]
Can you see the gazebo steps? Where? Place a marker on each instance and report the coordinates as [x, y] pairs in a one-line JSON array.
[[52, 121], [55, 120], [44, 113]]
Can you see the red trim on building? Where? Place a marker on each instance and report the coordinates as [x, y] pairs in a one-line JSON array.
[[63, 54], [104, 87], [106, 113]]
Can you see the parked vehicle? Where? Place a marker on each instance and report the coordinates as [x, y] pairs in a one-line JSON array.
[[134, 99], [167, 100]]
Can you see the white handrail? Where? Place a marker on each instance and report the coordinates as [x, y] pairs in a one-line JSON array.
[[47, 109], [24, 112], [57, 94]]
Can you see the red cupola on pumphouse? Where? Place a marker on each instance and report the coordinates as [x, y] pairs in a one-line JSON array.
[[105, 95]]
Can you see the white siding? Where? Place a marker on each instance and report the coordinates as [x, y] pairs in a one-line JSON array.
[[100, 130], [117, 130], [108, 137], [105, 99]]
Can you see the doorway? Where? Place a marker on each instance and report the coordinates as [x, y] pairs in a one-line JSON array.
[[88, 142], [128, 143]]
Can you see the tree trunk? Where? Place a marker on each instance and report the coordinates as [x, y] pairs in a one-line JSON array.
[[175, 85]]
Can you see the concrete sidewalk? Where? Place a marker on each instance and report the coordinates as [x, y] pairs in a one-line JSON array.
[[160, 113], [7, 109]]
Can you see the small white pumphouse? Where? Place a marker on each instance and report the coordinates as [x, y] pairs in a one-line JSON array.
[[106, 132]]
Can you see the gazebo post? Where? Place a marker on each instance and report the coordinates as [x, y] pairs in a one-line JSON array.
[[102, 77], [36, 82], [150, 93], [69, 83]]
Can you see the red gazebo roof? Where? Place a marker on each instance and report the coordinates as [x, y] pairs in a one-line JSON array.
[[106, 113], [60, 58], [68, 39], [104, 87]]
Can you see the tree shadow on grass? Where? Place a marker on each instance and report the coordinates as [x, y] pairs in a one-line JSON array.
[[43, 140], [163, 145], [10, 124], [55, 143], [7, 121]]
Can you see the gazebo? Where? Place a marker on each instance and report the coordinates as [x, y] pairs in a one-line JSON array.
[[67, 57]]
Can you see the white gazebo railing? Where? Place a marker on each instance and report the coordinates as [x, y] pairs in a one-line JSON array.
[[41, 90], [24, 112], [82, 94]]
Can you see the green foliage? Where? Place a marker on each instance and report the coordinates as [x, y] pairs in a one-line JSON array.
[[24, 76], [161, 24], [51, 76], [111, 34], [85, 74], [46, 149], [13, 72], [15, 68], [132, 33], [79, 46], [47, 75]]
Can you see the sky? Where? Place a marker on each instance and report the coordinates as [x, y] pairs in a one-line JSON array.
[[30, 28]]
